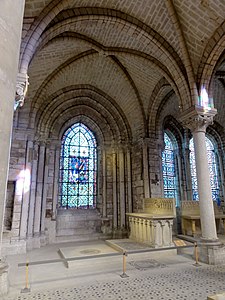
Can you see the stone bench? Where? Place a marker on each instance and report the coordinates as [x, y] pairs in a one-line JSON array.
[[153, 225], [190, 217]]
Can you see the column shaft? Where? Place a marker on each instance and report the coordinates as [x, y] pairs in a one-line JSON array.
[[122, 189], [30, 230], [56, 180], [129, 184], [45, 186], [114, 174], [208, 224], [104, 191], [146, 170], [39, 190], [26, 190]]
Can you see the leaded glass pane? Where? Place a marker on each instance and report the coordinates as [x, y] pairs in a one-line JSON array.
[[78, 168], [213, 173], [168, 166]]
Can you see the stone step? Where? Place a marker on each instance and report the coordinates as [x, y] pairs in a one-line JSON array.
[[78, 224], [79, 237], [75, 231]]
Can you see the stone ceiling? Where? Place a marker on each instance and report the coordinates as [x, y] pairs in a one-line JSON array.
[[134, 52]]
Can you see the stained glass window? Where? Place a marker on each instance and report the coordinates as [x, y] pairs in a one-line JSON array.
[[168, 166], [78, 168], [213, 170]]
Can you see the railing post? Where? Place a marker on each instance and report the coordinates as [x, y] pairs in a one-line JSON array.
[[196, 255], [26, 289], [124, 275]]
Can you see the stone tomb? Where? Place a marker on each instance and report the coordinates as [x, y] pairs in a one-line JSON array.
[[153, 226], [190, 218]]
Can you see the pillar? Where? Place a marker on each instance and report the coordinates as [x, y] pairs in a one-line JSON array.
[[11, 17], [129, 183], [30, 230], [45, 187], [197, 120], [122, 188], [104, 178], [56, 180], [146, 169], [26, 190], [114, 176], [39, 189], [187, 166]]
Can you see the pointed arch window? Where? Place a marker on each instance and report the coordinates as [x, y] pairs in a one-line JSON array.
[[78, 168], [169, 169], [213, 170]]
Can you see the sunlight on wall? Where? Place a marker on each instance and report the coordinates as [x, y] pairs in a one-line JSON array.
[[204, 99], [23, 181]]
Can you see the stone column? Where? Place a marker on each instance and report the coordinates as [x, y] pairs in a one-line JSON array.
[[26, 190], [122, 189], [146, 169], [45, 186], [114, 175], [197, 120], [39, 189], [11, 18], [30, 230], [187, 166], [129, 184], [104, 191], [56, 180]]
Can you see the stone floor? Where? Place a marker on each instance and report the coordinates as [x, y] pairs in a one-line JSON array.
[[154, 275]]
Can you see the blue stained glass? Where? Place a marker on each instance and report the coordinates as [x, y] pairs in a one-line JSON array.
[[213, 173], [78, 168], [168, 168]]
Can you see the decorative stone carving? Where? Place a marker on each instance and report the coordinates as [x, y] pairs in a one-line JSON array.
[[159, 206], [198, 118], [21, 90]]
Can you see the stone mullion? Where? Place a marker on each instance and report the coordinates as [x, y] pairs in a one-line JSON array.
[[188, 174], [26, 190], [39, 189], [178, 171], [187, 165]]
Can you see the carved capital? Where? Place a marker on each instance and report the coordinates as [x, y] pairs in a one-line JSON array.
[[21, 90], [198, 118]]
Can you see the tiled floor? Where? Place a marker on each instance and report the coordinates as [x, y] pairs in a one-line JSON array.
[[159, 275]]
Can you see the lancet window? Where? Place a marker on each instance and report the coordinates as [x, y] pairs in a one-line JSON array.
[[169, 169], [213, 170], [78, 168]]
